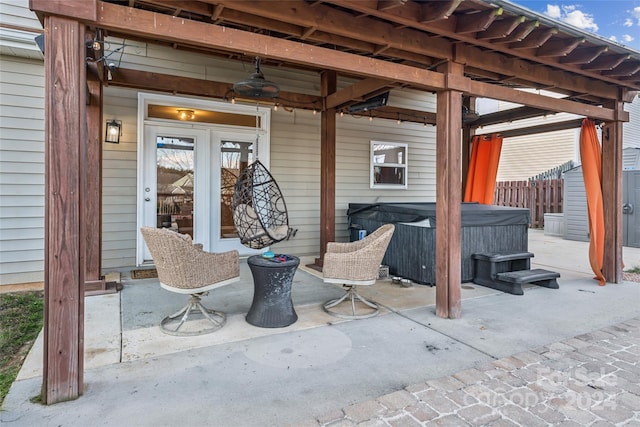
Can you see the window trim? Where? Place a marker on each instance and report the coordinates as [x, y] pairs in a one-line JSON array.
[[404, 165]]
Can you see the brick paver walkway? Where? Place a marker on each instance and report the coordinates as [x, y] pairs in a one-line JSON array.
[[589, 380]]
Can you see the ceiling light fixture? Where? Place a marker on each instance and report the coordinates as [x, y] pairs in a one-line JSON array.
[[256, 86], [186, 114]]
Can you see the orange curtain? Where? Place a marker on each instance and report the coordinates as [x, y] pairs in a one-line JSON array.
[[483, 169], [592, 175]]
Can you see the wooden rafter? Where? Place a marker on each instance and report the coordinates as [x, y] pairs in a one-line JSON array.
[[625, 69], [501, 28], [536, 38], [559, 47], [435, 11], [474, 22], [606, 62], [584, 55]]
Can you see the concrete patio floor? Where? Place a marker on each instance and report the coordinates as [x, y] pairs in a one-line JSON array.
[[248, 376]]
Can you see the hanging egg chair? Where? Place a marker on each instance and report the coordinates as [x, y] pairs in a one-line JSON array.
[[259, 211]]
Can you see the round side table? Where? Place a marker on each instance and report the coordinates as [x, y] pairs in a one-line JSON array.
[[272, 306]]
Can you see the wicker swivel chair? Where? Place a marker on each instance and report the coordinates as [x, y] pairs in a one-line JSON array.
[[355, 264], [185, 268]]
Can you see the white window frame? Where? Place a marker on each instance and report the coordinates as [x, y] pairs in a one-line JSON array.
[[404, 165]]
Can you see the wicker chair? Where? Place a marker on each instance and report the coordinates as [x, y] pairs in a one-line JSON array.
[[185, 268], [355, 264]]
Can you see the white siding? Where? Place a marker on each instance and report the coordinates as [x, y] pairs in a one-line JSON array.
[[17, 13], [21, 170], [575, 206], [631, 129], [119, 181]]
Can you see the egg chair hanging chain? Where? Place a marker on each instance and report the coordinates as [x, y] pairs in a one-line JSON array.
[[257, 129]]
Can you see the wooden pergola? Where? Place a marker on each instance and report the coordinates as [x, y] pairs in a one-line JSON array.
[[457, 49]]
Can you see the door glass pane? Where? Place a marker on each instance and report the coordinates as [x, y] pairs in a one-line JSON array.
[[235, 156], [175, 183]]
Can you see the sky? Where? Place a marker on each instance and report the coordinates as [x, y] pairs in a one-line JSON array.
[[616, 20]]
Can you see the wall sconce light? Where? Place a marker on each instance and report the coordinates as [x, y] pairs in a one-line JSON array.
[[186, 114], [113, 132]]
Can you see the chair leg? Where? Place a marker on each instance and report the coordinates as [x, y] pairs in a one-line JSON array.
[[171, 324], [352, 295]]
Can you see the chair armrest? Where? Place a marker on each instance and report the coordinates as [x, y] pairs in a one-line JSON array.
[[205, 268]]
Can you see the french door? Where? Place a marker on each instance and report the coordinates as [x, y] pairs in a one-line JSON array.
[[187, 179]]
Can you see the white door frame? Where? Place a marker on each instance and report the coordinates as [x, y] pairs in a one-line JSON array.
[[207, 232]]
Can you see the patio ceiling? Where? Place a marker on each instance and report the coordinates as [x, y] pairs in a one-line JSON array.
[[500, 45]]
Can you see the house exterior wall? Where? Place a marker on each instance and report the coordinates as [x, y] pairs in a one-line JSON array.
[[21, 169]]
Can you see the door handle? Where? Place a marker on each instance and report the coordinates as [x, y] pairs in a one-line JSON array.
[[627, 208]]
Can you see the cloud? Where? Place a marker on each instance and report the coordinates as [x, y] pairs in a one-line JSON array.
[[628, 22], [613, 38], [553, 11], [627, 38], [635, 13], [573, 16]]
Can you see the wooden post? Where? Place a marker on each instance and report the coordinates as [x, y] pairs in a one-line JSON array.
[[94, 281], [328, 85], [612, 198], [468, 133], [448, 199], [65, 94]]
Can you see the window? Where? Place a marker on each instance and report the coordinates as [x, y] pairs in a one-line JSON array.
[[388, 165]]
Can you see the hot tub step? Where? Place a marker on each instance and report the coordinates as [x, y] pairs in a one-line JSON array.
[[538, 277]]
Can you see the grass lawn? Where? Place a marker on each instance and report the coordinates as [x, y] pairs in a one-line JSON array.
[[21, 318]]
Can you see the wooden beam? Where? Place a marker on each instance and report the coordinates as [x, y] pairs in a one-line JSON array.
[[82, 10], [530, 99], [506, 116], [535, 130], [150, 25], [405, 114], [328, 86], [356, 91], [612, 198], [65, 103], [147, 80], [448, 200]]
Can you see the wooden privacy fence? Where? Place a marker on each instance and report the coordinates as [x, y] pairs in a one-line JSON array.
[[540, 196]]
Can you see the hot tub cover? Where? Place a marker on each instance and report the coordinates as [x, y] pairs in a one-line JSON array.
[[472, 214]]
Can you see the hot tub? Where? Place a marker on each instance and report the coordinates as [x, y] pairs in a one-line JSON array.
[[412, 251]]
